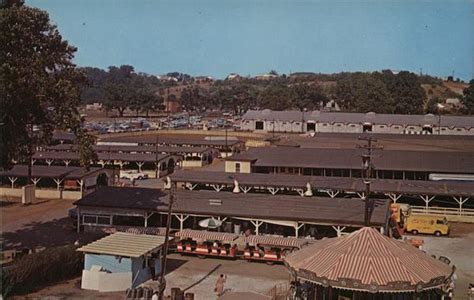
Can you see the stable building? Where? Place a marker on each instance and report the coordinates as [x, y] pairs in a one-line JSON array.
[[338, 122], [262, 213], [55, 182], [387, 164]]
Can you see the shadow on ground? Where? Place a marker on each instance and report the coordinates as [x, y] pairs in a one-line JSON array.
[[46, 234]]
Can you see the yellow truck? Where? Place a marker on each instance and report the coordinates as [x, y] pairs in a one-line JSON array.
[[427, 224]]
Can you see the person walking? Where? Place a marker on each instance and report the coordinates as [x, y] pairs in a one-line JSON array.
[[219, 289]]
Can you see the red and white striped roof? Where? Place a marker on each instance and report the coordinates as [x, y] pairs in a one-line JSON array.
[[274, 241], [368, 260], [206, 235]]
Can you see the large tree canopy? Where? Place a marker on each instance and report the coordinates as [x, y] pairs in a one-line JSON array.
[[38, 81]]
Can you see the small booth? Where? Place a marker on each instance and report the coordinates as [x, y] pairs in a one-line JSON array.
[[121, 261]]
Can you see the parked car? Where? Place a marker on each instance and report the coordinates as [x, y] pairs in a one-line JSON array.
[[133, 175]]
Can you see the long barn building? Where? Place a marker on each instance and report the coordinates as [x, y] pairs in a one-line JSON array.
[[337, 122]]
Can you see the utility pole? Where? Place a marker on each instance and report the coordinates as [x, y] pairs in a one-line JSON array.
[[162, 284], [226, 142], [156, 157], [367, 175]]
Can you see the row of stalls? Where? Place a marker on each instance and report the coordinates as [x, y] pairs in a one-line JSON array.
[[56, 182], [283, 215], [454, 195], [195, 156]]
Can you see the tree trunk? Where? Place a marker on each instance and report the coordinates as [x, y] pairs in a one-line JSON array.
[[121, 111]]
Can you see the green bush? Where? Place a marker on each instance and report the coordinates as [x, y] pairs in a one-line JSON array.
[[37, 270]]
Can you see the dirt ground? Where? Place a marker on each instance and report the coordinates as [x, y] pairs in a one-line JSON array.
[[189, 273], [44, 223], [459, 248]]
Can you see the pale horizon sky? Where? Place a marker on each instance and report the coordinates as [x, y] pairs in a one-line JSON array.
[[215, 37]]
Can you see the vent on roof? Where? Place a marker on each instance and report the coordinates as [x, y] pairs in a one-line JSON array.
[[215, 202]]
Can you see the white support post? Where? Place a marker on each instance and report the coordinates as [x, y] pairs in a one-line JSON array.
[[147, 216], [191, 186], [339, 230], [12, 180], [102, 163], [35, 180], [257, 224], [297, 228], [332, 194], [427, 200], [49, 162], [81, 183], [67, 162], [273, 190], [33, 161], [217, 187], [393, 197], [139, 165], [245, 189], [460, 201], [300, 192], [181, 218], [58, 182]]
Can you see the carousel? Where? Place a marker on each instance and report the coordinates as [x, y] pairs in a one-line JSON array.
[[367, 265]]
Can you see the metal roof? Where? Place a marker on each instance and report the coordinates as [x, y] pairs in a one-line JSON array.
[[359, 118], [320, 210], [49, 172], [130, 148], [151, 139], [391, 160], [321, 182], [125, 244], [63, 155]]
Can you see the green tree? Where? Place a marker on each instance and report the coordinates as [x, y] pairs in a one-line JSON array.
[[38, 82], [307, 96], [406, 91], [363, 92], [468, 97]]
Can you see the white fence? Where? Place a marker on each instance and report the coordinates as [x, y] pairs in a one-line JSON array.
[[452, 214]]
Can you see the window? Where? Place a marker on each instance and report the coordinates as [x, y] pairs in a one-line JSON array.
[[96, 220], [237, 167], [259, 125]]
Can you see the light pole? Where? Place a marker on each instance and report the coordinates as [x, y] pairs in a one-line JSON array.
[[440, 107]]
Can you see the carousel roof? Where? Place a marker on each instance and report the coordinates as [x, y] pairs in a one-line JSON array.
[[366, 260]]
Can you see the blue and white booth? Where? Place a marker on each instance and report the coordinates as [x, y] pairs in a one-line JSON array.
[[121, 261]]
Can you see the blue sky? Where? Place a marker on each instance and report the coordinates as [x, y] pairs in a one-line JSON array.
[[218, 37]]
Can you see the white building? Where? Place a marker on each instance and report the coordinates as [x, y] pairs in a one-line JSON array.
[[339, 122]]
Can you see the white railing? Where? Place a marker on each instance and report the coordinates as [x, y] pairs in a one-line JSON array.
[[452, 214]]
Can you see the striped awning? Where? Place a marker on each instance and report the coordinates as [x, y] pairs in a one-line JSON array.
[[276, 241], [367, 260], [135, 230], [206, 235], [125, 244]]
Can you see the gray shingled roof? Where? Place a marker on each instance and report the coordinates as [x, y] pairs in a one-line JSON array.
[[421, 161], [359, 118]]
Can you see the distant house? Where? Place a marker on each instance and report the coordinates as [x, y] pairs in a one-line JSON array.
[[233, 76], [267, 76]]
